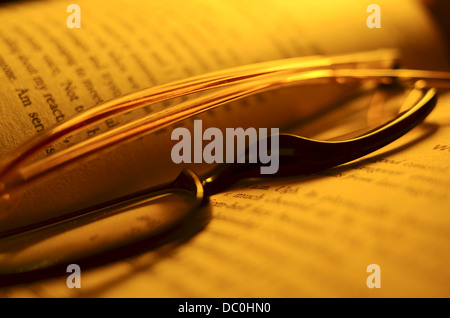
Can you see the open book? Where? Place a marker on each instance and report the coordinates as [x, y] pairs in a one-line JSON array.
[[305, 236]]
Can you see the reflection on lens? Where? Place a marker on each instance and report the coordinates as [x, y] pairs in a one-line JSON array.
[[94, 233], [360, 113]]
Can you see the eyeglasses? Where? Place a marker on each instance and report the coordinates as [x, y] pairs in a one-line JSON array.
[[156, 210]]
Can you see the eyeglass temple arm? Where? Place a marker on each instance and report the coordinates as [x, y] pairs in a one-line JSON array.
[[177, 113], [299, 155], [379, 58]]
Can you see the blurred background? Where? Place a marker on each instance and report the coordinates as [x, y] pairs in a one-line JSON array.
[[440, 9]]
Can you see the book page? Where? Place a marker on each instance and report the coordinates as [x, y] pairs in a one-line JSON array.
[[305, 236], [51, 72]]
